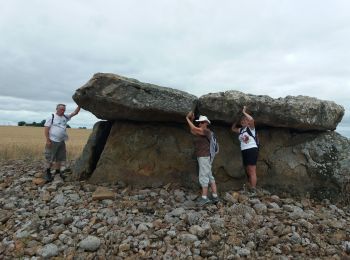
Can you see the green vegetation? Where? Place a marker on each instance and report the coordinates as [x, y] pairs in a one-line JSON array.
[[35, 124]]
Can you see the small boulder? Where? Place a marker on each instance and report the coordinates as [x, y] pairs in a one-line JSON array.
[[102, 193], [90, 243]]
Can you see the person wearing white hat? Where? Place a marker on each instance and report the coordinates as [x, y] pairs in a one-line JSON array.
[[202, 147]]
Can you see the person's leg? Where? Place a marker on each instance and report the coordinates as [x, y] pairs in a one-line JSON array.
[[213, 188], [214, 193], [204, 192], [55, 150], [48, 162], [251, 169], [48, 175], [57, 167], [245, 166], [61, 158], [202, 175], [203, 178], [213, 184]]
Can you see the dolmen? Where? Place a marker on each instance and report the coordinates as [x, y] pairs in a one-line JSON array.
[[143, 139]]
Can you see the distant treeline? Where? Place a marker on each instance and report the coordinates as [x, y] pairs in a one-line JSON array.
[[41, 124]]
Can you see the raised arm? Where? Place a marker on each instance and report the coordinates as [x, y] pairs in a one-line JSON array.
[[250, 119], [194, 130], [234, 127], [75, 112]]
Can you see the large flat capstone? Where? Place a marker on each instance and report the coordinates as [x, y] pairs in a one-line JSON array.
[[297, 112], [113, 97]]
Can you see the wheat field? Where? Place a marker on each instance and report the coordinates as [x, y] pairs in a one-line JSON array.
[[25, 142]]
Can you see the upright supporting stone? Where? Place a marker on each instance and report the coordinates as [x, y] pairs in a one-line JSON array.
[[86, 163]]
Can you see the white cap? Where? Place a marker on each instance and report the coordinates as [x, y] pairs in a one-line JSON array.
[[202, 119]]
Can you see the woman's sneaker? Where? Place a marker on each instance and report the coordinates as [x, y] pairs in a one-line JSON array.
[[63, 177], [203, 202], [215, 199], [252, 192]]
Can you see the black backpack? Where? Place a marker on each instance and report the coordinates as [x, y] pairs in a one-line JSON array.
[[53, 116]]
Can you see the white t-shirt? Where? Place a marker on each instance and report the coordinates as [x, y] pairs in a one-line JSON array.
[[246, 140], [58, 125]]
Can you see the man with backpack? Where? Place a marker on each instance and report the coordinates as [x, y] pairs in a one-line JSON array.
[[56, 135], [206, 147], [249, 146]]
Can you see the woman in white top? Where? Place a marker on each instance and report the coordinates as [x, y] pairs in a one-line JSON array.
[[249, 148]]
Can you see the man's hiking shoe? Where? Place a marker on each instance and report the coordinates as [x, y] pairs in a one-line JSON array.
[[48, 177], [215, 200], [62, 176], [203, 202], [66, 170]]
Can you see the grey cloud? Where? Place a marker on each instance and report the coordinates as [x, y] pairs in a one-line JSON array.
[[13, 110], [276, 48]]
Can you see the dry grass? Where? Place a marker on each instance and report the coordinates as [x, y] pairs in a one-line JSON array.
[[25, 142]]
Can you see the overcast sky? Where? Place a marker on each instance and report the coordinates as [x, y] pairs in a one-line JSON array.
[[48, 49]]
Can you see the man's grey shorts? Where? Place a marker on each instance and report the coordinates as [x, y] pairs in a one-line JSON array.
[[205, 174], [56, 152]]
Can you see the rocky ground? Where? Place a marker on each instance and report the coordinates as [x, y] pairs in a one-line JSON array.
[[76, 220]]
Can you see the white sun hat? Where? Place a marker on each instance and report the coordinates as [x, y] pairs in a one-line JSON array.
[[202, 119]]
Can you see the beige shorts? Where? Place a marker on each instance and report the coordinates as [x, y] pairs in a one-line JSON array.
[[56, 152], [205, 175]]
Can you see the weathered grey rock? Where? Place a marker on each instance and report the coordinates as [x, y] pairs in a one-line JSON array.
[[86, 163], [242, 251], [240, 209], [22, 234], [102, 193], [193, 218], [48, 251], [150, 154], [260, 208], [154, 154], [124, 247], [90, 243], [112, 97], [59, 199], [143, 227], [5, 216], [48, 239], [188, 238], [313, 163], [297, 112], [302, 229], [147, 155], [177, 212], [197, 231], [171, 233]]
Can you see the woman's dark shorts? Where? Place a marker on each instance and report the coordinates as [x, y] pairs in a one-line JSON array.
[[250, 156]]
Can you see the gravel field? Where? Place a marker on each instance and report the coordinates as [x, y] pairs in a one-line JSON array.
[[77, 220]]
